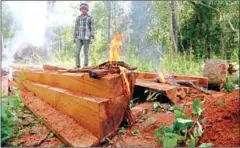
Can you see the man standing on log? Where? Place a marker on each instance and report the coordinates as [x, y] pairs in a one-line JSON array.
[[83, 34]]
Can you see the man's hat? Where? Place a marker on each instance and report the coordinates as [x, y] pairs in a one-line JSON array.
[[84, 5]]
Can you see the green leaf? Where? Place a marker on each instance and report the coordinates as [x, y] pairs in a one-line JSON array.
[[180, 120], [160, 131], [178, 127], [170, 140], [178, 113], [31, 124], [192, 142], [196, 110], [206, 145]]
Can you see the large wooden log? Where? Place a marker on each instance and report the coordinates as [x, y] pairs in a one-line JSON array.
[[87, 111], [66, 129], [216, 71], [109, 86], [168, 90], [100, 116], [201, 81]]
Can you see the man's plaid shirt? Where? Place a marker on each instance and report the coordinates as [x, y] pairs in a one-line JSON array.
[[84, 28]]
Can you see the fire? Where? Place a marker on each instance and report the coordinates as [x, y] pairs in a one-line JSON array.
[[126, 85], [169, 79], [114, 56], [161, 77], [115, 47]]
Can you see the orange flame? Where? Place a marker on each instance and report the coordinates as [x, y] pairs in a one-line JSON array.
[[115, 56], [161, 77], [126, 85], [115, 47]]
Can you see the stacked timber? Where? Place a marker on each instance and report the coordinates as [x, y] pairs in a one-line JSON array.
[[98, 105]]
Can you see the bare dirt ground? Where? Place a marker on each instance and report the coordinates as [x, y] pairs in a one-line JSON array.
[[221, 113]]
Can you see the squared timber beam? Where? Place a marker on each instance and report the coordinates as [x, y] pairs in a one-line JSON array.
[[109, 86], [101, 116], [90, 112], [201, 81], [169, 90]]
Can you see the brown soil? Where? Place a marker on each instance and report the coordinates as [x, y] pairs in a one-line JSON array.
[[221, 127], [147, 123], [222, 120], [221, 112]]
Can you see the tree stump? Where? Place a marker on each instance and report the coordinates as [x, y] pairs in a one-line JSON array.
[[216, 71]]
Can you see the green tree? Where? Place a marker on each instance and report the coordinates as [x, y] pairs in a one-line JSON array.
[[210, 28]]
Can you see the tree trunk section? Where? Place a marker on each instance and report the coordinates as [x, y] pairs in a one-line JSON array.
[[174, 26], [216, 71]]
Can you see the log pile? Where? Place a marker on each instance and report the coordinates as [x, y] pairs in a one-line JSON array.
[[95, 97]]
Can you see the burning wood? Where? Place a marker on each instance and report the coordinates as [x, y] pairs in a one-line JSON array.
[[99, 73]]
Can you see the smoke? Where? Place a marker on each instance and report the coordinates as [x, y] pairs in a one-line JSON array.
[[31, 17]]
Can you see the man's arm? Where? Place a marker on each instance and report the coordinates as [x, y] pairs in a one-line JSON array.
[[92, 28], [75, 31]]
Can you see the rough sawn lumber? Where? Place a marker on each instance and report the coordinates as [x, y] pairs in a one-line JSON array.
[[168, 90], [90, 112], [108, 86], [201, 81]]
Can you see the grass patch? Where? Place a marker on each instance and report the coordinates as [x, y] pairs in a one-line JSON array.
[[182, 64]]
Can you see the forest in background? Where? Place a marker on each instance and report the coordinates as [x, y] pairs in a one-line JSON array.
[[173, 36]]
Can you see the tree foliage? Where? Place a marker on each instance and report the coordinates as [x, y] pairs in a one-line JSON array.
[[207, 28]]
